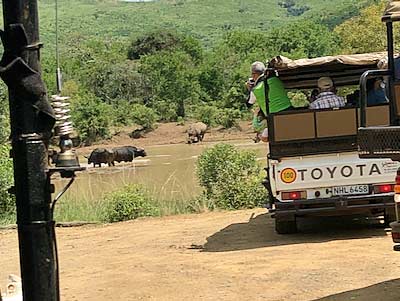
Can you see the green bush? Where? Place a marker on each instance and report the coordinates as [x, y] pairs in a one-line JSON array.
[[7, 201], [143, 116], [126, 113], [212, 116], [207, 114], [231, 178], [166, 110], [298, 99], [92, 118], [128, 203], [228, 117], [4, 114]]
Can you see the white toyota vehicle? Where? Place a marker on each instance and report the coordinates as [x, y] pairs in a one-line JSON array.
[[313, 162]]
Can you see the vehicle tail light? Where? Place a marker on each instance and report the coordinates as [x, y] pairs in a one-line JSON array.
[[294, 195], [396, 237], [385, 188], [397, 186]]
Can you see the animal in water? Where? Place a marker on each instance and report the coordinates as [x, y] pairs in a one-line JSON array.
[[101, 155], [128, 153], [196, 132]]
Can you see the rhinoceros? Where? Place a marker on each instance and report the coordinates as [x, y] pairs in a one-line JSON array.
[[127, 153], [101, 155], [196, 132]]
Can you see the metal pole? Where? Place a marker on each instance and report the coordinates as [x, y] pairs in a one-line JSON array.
[[31, 122], [392, 68]]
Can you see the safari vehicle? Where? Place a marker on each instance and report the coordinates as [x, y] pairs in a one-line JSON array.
[[384, 141], [313, 162]]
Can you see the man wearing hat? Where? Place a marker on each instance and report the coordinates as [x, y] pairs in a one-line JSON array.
[[278, 99], [327, 97]]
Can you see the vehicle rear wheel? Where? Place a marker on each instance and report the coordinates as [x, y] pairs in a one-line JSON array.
[[390, 216], [285, 227]]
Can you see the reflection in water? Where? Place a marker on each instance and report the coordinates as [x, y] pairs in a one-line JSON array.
[[168, 172]]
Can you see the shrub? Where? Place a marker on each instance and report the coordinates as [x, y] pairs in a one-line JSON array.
[[231, 178], [127, 113], [128, 203], [7, 201], [228, 117], [166, 110], [92, 118], [212, 116], [298, 99], [4, 114], [143, 116], [207, 114]]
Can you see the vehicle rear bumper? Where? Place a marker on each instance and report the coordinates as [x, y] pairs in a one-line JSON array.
[[334, 204]]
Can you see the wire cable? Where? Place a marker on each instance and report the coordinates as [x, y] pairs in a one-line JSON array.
[[58, 70]]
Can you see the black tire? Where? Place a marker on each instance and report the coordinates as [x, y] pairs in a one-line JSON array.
[[390, 216], [285, 227]]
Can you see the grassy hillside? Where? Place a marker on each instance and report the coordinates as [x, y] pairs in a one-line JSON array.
[[203, 19]]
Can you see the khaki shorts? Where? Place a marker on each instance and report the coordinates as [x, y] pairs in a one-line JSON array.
[[264, 133]]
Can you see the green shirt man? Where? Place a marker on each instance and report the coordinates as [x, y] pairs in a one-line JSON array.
[[277, 95]]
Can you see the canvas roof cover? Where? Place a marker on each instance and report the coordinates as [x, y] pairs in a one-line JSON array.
[[366, 59], [343, 69], [392, 11]]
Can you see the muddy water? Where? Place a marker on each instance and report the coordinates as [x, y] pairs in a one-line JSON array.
[[168, 172]]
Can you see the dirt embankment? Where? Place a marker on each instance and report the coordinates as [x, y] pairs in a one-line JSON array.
[[221, 256], [171, 133]]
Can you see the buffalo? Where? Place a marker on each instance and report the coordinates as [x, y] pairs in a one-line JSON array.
[[196, 132], [128, 153], [101, 155]]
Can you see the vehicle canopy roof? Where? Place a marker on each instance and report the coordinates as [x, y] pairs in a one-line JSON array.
[[392, 11], [343, 69]]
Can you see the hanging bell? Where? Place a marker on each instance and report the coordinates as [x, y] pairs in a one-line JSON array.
[[63, 128]]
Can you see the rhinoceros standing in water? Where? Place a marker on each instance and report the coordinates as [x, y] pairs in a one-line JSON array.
[[101, 155], [196, 132], [127, 153]]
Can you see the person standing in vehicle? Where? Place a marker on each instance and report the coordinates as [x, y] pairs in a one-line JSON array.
[[277, 95], [376, 92], [327, 98]]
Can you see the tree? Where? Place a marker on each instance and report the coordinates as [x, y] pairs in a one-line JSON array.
[[173, 78], [364, 33], [303, 39], [92, 117], [120, 81], [163, 40]]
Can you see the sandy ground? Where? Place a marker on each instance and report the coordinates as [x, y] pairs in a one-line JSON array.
[[221, 256]]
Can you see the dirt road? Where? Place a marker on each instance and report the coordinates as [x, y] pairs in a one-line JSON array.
[[221, 256]]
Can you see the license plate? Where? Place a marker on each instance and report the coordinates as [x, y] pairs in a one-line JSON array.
[[350, 190]]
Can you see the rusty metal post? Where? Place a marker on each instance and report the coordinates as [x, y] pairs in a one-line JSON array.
[[32, 120]]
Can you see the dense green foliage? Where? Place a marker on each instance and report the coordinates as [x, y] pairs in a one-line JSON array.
[[231, 178], [4, 114], [182, 56], [123, 65], [365, 33], [91, 116], [307, 39], [128, 203], [7, 201]]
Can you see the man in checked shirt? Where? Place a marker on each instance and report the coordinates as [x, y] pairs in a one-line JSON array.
[[327, 97]]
